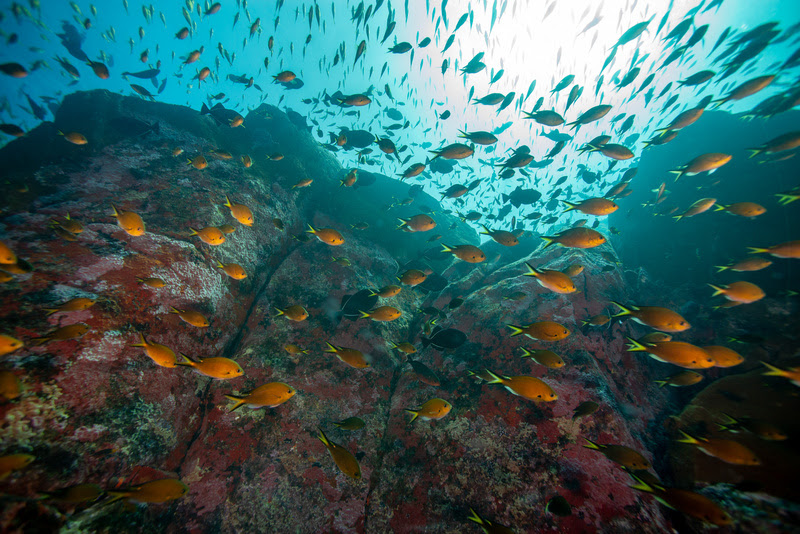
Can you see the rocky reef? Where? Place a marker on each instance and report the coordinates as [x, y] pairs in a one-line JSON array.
[[96, 410]]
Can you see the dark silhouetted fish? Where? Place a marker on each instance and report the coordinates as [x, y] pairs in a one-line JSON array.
[[448, 338], [361, 300]]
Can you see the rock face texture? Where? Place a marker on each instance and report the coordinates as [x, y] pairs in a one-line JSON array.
[[96, 410]]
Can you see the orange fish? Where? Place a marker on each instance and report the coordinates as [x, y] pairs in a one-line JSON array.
[[573, 270], [703, 163], [226, 229], [152, 282], [503, 237], [73, 331], [220, 368], [687, 502], [329, 236], [10, 387], [70, 225], [723, 356], [9, 344], [269, 395], [404, 346], [527, 387], [748, 265], [542, 330], [597, 320], [729, 451], [192, 317], [433, 409], [352, 357], [624, 456], [684, 378], [675, 352], [233, 270], [350, 179], [7, 256], [387, 291], [14, 462], [790, 249], [656, 317], [161, 355], [237, 121], [345, 461], [593, 206], [700, 206], [547, 358], [576, 238], [240, 212], [294, 313], [294, 349], [302, 183], [76, 304], [154, 492], [412, 277], [743, 209], [555, 281], [467, 253], [247, 161], [210, 235], [382, 313], [417, 223], [74, 137], [199, 162], [128, 221], [743, 292]]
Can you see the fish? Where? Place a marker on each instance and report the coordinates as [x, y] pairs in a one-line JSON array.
[[489, 527], [73, 331], [527, 387], [210, 235], [703, 163], [217, 367], [432, 409], [382, 314], [156, 491], [655, 317], [443, 339], [622, 455], [161, 355], [686, 502], [412, 277], [503, 237], [789, 249], [593, 206], [352, 357], [762, 429], [191, 317], [793, 374], [14, 462], [10, 386], [683, 378], [269, 395], [729, 451], [467, 253], [741, 292], [677, 353], [296, 312], [555, 281], [576, 238], [345, 461], [76, 304], [351, 423], [584, 409], [329, 236], [547, 358], [542, 330]]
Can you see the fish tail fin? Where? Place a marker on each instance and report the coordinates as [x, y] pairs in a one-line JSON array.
[[516, 330], [678, 173], [50, 311], [425, 341], [756, 250], [717, 290], [773, 371], [462, 133], [678, 217], [142, 341], [280, 312], [727, 421], [718, 102], [641, 485], [721, 268], [720, 207], [754, 152], [311, 229], [238, 400], [204, 110], [526, 353], [661, 383], [187, 362], [364, 314], [413, 413], [193, 232], [584, 322], [173, 309], [571, 206], [592, 445], [323, 438], [476, 518], [688, 439], [228, 202], [403, 223], [531, 271], [114, 211], [446, 248], [548, 241], [635, 346], [331, 348], [496, 379], [623, 309]]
